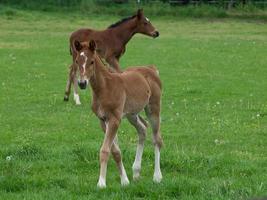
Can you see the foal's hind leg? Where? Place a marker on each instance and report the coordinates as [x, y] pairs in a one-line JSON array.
[[153, 114], [140, 126]]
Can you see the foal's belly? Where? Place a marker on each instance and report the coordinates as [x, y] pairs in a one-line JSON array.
[[137, 95], [133, 107]]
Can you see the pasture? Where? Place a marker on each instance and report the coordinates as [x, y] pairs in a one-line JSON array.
[[214, 111]]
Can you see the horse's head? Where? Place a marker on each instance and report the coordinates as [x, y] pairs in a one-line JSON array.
[[85, 62], [144, 25]]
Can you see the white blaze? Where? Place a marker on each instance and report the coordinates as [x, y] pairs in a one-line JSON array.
[[85, 60]]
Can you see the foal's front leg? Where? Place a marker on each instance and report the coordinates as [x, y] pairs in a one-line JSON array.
[[112, 126], [75, 88], [114, 63], [69, 82], [116, 152], [72, 79]]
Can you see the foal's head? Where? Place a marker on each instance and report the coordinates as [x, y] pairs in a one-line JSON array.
[[85, 62], [144, 25]]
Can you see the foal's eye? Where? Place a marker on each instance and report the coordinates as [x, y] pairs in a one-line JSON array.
[[92, 62]]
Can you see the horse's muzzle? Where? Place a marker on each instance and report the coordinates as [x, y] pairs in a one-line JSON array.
[[82, 84], [155, 34]]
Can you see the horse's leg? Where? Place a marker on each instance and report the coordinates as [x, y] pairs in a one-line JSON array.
[[114, 63], [116, 152], [153, 114], [140, 127], [112, 126], [76, 96], [69, 82]]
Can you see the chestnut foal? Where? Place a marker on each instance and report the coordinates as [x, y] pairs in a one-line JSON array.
[[111, 44], [122, 94]]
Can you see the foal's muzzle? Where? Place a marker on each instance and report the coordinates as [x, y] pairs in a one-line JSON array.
[[155, 34], [82, 84]]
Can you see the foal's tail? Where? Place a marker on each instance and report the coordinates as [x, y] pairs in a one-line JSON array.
[[155, 69], [151, 74]]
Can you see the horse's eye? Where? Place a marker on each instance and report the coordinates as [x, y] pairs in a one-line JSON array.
[[92, 62], [145, 23]]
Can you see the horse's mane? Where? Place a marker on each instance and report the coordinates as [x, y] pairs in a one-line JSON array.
[[121, 21]]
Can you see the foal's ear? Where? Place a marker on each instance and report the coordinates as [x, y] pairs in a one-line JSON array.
[[140, 13], [92, 45], [77, 45]]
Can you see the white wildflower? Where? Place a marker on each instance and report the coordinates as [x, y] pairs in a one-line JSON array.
[[8, 158]]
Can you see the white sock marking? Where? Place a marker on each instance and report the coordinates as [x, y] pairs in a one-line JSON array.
[[138, 161], [77, 99], [124, 178], [102, 177], [157, 173], [101, 182]]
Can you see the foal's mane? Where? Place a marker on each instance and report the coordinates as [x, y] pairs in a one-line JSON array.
[[121, 21]]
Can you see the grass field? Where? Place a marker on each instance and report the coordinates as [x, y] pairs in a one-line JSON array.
[[214, 111]]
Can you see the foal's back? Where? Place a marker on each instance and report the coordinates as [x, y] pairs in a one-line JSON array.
[[140, 85]]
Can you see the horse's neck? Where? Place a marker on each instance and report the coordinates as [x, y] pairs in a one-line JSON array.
[[98, 79], [125, 31]]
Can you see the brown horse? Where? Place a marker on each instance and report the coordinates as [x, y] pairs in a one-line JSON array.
[[111, 44], [121, 94]]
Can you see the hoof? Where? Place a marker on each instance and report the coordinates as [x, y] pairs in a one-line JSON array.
[[136, 173], [157, 178], [136, 177], [125, 182], [78, 103], [66, 98], [101, 185]]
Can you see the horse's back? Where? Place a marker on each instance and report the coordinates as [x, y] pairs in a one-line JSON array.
[[81, 34]]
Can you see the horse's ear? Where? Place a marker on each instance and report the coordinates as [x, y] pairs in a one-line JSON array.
[[140, 13], [77, 45], [92, 45]]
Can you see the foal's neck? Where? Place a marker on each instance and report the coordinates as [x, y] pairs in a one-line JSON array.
[[126, 30], [101, 74]]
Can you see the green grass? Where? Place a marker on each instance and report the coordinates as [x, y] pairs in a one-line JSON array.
[[214, 111], [155, 8]]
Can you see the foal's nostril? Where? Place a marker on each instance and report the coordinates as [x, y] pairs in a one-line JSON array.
[[156, 34], [82, 84]]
